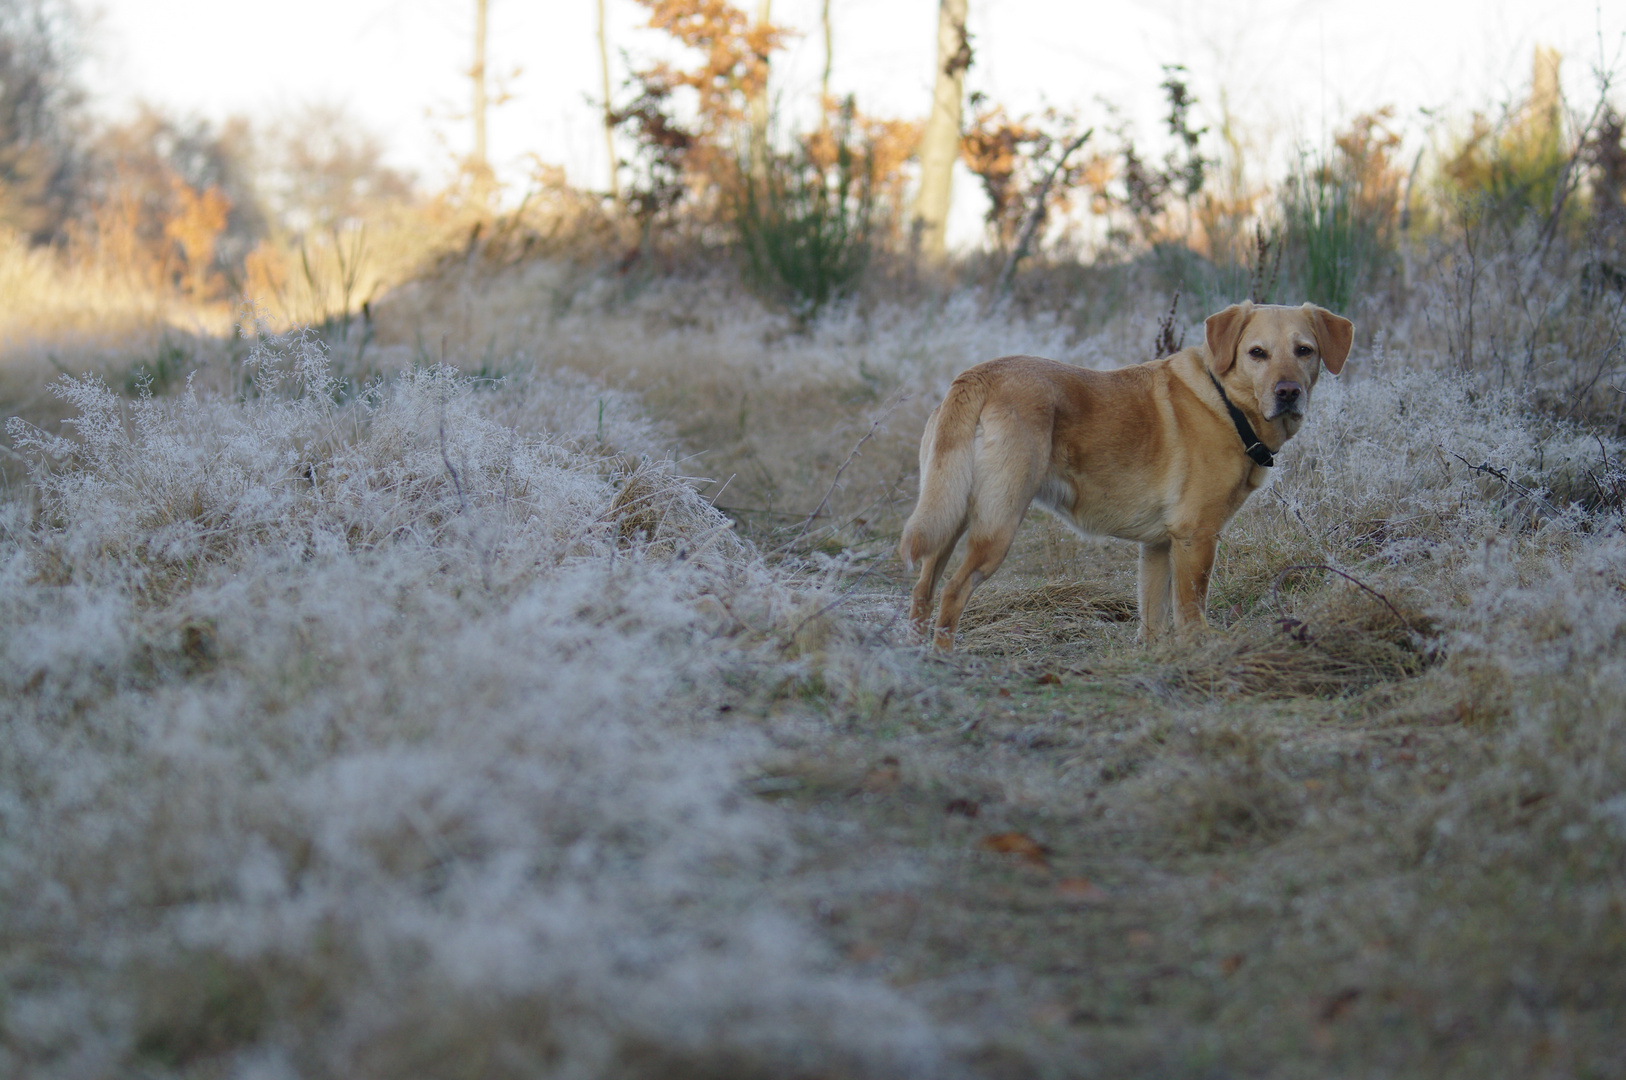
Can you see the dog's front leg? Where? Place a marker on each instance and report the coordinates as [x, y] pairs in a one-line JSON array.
[[1154, 592], [1193, 559]]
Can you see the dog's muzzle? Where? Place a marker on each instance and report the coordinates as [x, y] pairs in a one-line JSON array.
[[1289, 399]]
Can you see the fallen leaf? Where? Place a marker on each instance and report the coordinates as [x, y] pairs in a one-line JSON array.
[[963, 807], [1050, 1014], [1313, 785], [883, 778], [1340, 1003], [1140, 939], [1049, 678], [1015, 843], [1230, 964], [1004, 691], [1080, 889]]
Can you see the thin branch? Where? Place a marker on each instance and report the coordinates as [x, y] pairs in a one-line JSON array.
[[1036, 213], [1276, 589], [1502, 475], [898, 399], [837, 602], [1569, 177]]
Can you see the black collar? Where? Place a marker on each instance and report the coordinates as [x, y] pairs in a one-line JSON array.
[[1258, 451]]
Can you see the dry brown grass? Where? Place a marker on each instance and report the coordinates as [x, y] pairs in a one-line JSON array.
[[1341, 641], [1359, 829]]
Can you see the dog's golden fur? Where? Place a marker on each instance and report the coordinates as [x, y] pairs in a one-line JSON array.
[[1146, 453]]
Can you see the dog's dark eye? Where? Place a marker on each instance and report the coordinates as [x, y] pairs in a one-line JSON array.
[[1303, 350], [1257, 353]]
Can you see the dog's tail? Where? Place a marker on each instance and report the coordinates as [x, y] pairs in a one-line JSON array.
[[946, 450]]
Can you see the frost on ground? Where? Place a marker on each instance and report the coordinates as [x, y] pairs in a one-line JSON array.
[[378, 738], [1374, 826], [423, 724]]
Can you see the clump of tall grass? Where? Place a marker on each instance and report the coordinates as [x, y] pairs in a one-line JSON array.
[[804, 219], [1335, 241]]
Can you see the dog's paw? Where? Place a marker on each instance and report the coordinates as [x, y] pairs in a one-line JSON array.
[[1198, 632]]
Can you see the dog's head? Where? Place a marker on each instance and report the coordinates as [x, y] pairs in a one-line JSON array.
[[1272, 354]]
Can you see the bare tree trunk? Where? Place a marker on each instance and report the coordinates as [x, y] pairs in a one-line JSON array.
[[759, 108], [940, 145], [478, 74], [829, 58], [609, 117]]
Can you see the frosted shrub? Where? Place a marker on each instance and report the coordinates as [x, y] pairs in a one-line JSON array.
[[371, 739], [1397, 460]]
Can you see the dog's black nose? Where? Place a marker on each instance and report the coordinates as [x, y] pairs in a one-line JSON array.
[[1287, 393]]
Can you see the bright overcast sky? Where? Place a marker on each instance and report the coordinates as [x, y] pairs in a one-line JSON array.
[[1289, 69]]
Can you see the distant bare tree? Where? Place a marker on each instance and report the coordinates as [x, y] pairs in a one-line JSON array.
[[172, 201], [609, 110], [320, 170], [829, 57], [477, 73], [940, 146], [39, 105]]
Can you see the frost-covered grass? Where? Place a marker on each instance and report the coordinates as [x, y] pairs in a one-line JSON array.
[[366, 716], [377, 739], [1366, 828]]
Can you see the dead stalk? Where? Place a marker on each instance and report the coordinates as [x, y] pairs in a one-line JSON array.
[[1502, 475], [1276, 589], [898, 399], [462, 504]]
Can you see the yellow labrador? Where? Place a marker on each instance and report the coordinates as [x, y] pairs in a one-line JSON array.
[[1162, 453]]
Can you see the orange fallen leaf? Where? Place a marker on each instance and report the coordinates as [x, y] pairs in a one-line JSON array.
[[884, 777], [1051, 1013], [1340, 1003], [1022, 846], [1049, 678], [1080, 889], [1230, 964]]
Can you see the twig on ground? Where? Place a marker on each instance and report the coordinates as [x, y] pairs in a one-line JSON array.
[[898, 398], [724, 488], [837, 602], [1502, 475], [1276, 589]]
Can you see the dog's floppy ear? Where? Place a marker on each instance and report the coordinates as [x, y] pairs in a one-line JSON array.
[[1224, 329], [1333, 336]]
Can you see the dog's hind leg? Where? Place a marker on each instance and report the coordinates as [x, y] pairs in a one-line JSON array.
[[983, 554], [997, 508], [932, 566]]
